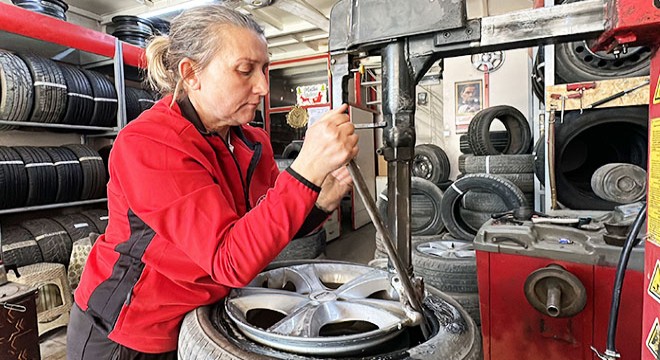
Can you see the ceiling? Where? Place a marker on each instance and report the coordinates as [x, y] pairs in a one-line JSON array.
[[294, 28]]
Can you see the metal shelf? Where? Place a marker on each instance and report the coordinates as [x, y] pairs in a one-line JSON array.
[[52, 206], [58, 126], [24, 30]]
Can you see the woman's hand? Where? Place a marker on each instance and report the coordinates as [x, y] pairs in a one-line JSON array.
[[329, 144], [333, 189]]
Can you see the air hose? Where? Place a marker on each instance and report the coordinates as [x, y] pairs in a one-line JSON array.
[[631, 242]]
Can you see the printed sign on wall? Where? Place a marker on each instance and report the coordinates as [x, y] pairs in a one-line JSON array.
[[312, 94]]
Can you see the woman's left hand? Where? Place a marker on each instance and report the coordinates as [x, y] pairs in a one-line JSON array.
[[333, 189]]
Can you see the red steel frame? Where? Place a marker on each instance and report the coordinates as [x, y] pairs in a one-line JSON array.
[[632, 22], [14, 19]]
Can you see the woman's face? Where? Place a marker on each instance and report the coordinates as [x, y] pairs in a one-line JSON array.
[[231, 87]]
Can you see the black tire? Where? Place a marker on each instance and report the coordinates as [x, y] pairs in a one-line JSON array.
[[207, 333], [13, 179], [105, 100], [94, 172], [539, 160], [16, 89], [76, 225], [50, 91], [133, 24], [99, 217], [499, 164], [525, 182], [574, 62], [41, 175], [483, 202], [56, 9], [474, 219], [80, 98], [511, 194], [19, 247], [461, 163], [515, 123], [470, 303], [104, 152], [538, 75], [425, 204], [306, 247], [69, 174], [447, 272], [54, 242], [431, 163], [583, 143], [292, 150], [133, 108], [145, 99], [499, 139]]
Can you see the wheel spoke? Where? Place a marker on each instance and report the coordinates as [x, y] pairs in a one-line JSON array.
[[364, 285], [382, 313], [282, 301], [299, 323], [302, 279]]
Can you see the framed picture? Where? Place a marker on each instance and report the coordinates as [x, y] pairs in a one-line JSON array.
[[469, 101]]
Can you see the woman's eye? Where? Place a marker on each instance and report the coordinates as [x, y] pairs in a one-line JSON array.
[[245, 71]]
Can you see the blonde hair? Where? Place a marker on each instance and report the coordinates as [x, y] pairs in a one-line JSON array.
[[192, 35]]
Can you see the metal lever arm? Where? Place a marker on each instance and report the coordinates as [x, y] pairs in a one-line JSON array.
[[370, 204]]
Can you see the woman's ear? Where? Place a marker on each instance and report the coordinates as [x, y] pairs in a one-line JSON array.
[[188, 74]]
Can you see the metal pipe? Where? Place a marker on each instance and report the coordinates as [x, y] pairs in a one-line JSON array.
[[399, 139], [553, 301], [370, 205]]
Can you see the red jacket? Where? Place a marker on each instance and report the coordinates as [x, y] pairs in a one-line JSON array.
[[182, 231]]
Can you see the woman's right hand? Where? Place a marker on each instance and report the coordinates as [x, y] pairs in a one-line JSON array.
[[329, 144]]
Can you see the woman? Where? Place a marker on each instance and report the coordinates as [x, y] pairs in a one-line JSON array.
[[197, 205]]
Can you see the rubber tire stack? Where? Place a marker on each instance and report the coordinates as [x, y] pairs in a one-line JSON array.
[[451, 268], [425, 205], [54, 8], [133, 30], [452, 201]]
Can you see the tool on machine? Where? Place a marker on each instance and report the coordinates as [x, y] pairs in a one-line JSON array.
[[377, 125], [617, 95], [563, 102], [580, 88], [407, 292]]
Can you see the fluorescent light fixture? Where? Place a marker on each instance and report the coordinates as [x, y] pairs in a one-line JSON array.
[[183, 5]]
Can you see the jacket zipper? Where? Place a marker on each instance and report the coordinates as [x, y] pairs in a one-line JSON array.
[[250, 171]]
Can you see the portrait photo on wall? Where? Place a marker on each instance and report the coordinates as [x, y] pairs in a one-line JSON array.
[[469, 101]]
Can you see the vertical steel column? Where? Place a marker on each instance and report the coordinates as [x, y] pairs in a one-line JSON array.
[[398, 105]]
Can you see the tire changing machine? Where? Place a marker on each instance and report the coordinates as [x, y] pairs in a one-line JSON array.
[[433, 30]]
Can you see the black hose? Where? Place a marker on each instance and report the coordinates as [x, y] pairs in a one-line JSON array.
[[620, 273]]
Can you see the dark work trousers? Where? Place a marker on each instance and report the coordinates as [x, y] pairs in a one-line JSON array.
[[85, 342]]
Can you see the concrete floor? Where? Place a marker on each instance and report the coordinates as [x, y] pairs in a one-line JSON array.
[[352, 245]]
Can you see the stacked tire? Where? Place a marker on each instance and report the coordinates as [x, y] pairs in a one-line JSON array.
[[504, 160], [54, 8], [49, 239], [32, 175], [36, 89], [450, 266]]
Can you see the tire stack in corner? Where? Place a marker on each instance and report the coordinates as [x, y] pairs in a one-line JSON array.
[[497, 177], [54, 240]]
